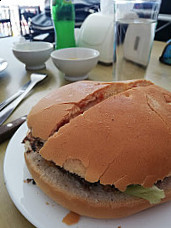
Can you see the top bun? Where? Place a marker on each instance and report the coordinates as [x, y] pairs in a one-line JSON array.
[[66, 102], [54, 109], [125, 139]]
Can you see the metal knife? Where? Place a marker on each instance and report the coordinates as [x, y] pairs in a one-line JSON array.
[[7, 130], [14, 96]]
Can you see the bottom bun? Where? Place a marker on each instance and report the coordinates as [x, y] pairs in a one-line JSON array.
[[77, 195]]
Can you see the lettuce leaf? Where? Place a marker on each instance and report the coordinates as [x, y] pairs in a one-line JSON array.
[[153, 194]]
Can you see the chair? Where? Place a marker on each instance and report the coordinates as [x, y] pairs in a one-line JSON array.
[[163, 30], [41, 26], [25, 15]]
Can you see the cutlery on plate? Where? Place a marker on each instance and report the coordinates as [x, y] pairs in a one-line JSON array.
[[14, 96], [6, 112], [7, 130]]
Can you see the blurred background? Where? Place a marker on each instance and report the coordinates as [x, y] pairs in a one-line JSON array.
[[14, 16], [32, 18]]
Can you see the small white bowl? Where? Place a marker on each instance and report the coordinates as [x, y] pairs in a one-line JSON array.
[[76, 62], [33, 54]]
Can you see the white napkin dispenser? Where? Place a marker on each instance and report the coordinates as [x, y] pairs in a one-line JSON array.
[[138, 43], [97, 32]]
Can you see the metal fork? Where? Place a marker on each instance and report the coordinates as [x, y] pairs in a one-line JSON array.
[[6, 112]]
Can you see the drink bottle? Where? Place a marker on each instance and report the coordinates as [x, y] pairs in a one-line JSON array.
[[63, 15]]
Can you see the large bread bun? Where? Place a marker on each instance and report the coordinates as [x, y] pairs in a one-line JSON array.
[[113, 134], [123, 140]]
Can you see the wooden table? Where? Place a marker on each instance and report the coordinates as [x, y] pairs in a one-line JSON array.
[[16, 75]]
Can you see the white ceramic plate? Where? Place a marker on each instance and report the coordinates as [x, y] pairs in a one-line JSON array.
[[43, 212]]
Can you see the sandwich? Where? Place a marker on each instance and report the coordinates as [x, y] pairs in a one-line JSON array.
[[102, 149]]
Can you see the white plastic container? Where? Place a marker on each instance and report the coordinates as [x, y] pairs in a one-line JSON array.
[[97, 32]]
